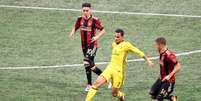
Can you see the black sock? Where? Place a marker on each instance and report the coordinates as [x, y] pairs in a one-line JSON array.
[[88, 73], [97, 71]]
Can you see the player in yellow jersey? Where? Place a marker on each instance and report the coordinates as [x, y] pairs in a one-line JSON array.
[[115, 71]]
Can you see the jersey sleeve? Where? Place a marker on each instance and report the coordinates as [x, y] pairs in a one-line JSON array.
[[134, 50], [99, 24], [172, 59], [77, 23]]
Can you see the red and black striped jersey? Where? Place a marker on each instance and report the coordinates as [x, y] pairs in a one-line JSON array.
[[88, 29], [167, 62]]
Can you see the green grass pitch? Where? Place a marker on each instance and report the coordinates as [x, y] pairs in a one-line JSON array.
[[39, 37]]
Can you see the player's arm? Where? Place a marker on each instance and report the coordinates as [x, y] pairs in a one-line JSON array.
[[177, 67], [76, 26], [100, 27], [135, 50], [101, 33], [72, 32], [150, 63]]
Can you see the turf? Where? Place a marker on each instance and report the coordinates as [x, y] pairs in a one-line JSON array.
[[38, 37]]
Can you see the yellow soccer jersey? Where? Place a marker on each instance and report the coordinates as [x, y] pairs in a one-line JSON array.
[[120, 52]]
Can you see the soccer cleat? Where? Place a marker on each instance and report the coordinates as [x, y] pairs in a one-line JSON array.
[[174, 98], [122, 98], [109, 85], [88, 87]]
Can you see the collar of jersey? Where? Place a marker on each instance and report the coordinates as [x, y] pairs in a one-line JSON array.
[[86, 18], [164, 51]]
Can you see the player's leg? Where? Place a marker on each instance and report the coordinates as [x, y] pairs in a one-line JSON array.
[[170, 90], [155, 89], [90, 65], [87, 70], [103, 78], [117, 82], [98, 83], [94, 68], [92, 54]]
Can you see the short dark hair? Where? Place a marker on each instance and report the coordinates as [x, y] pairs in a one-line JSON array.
[[86, 5], [120, 31], [161, 40]]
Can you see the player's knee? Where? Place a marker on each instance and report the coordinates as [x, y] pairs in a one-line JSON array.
[[92, 64], [93, 68], [99, 82], [88, 63]]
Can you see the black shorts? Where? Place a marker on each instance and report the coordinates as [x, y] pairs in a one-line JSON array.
[[89, 52], [161, 89]]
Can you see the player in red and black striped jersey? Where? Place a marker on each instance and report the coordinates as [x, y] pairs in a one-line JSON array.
[[88, 26], [169, 66]]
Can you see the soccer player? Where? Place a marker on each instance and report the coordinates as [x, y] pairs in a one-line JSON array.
[[115, 71], [169, 66], [88, 25]]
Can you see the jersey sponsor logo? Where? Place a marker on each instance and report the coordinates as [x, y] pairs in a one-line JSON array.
[[83, 28]]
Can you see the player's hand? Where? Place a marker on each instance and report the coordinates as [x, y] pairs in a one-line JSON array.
[[71, 35], [167, 78], [150, 63], [94, 39]]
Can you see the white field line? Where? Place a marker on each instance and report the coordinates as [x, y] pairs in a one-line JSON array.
[[100, 63], [97, 11]]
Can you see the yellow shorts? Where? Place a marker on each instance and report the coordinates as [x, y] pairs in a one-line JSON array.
[[117, 77]]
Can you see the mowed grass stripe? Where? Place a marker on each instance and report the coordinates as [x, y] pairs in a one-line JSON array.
[[98, 11]]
